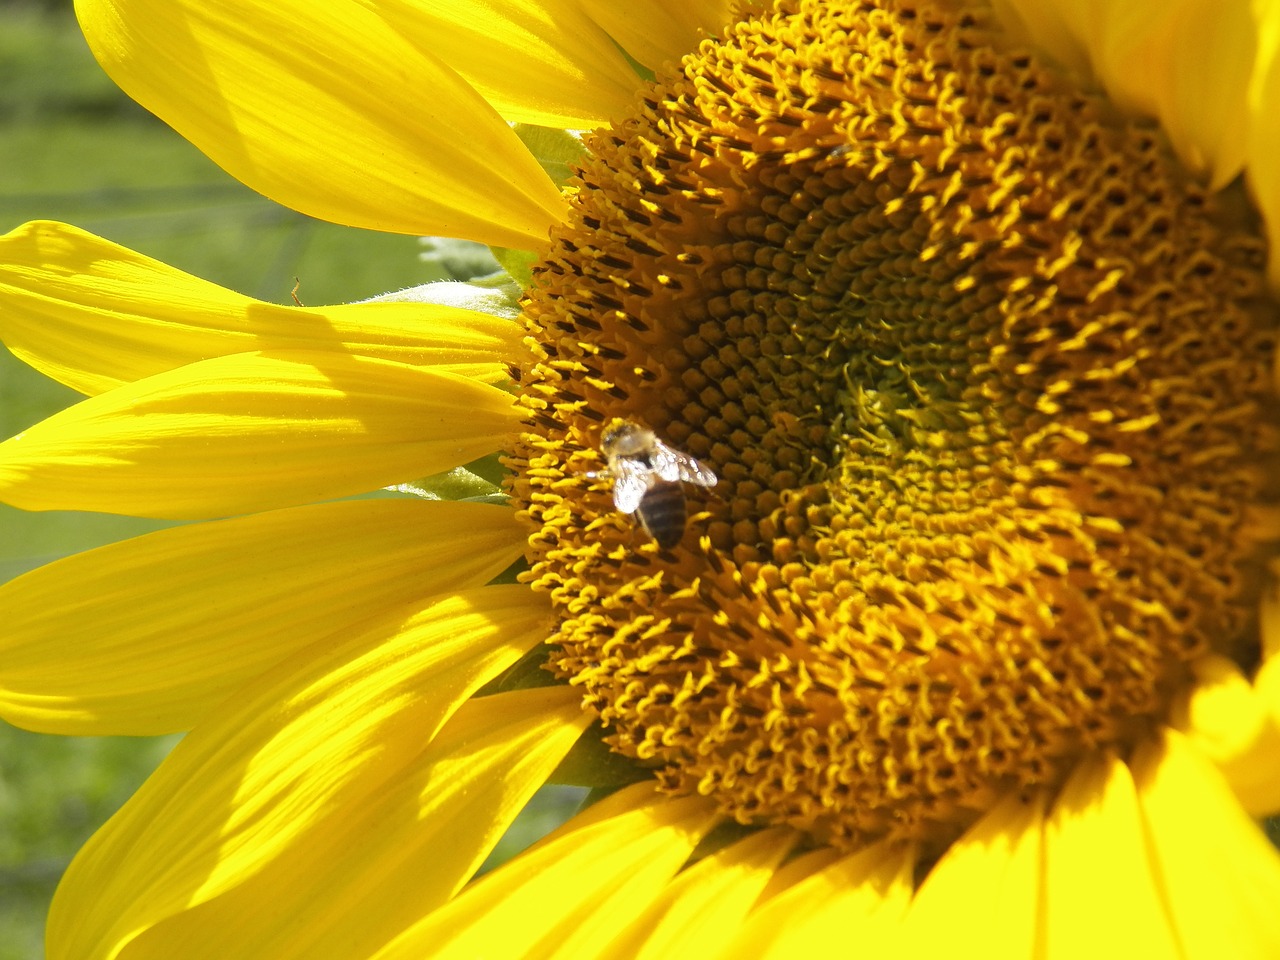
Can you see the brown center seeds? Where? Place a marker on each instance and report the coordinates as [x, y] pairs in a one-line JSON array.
[[986, 385]]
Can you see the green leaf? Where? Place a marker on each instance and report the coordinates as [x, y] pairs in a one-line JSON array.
[[592, 764], [557, 151], [517, 263]]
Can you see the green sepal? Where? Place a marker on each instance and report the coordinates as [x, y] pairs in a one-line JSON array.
[[525, 674], [557, 151], [518, 264], [592, 764], [479, 480]]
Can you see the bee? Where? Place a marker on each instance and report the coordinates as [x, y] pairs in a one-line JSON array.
[[648, 478]]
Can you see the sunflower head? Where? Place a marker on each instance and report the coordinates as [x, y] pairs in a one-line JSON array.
[[890, 444], [985, 381]]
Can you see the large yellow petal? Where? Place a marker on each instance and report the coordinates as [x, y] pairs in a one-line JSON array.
[[373, 867], [536, 61], [1056, 28], [860, 898], [655, 32], [147, 636], [1237, 726], [1264, 130], [1187, 63], [985, 895], [330, 107], [694, 911], [322, 735], [93, 315], [1220, 873], [249, 432], [599, 870], [1102, 893]]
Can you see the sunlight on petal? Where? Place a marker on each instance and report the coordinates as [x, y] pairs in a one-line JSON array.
[[1266, 686], [273, 95], [1053, 28], [249, 432], [1186, 63], [656, 32], [794, 871], [1219, 871], [1269, 612], [984, 895], [536, 62], [1097, 866], [93, 315], [1264, 131], [89, 642], [373, 867], [691, 916], [1232, 724], [601, 869], [861, 897], [326, 730]]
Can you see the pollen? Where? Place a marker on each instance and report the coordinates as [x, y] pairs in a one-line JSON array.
[[985, 378]]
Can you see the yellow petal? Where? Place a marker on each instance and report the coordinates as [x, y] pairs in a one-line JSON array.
[[1264, 131], [657, 31], [338, 109], [796, 870], [541, 62], [250, 432], [1237, 727], [1102, 893], [93, 315], [372, 868], [1218, 870], [1187, 63], [859, 899], [323, 734], [984, 896], [599, 869], [1269, 607], [148, 635], [1055, 28], [694, 911]]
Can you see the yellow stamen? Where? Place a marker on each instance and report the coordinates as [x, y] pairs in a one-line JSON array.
[[986, 381]]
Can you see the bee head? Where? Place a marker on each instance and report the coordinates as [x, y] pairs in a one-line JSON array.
[[625, 437]]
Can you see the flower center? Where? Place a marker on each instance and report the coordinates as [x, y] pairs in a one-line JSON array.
[[983, 380]]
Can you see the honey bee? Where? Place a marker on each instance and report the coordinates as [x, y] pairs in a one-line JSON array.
[[648, 478]]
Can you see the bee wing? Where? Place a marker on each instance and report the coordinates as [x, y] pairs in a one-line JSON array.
[[666, 462], [694, 471], [630, 483], [673, 465]]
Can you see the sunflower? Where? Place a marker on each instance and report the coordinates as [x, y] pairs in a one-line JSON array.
[[961, 638]]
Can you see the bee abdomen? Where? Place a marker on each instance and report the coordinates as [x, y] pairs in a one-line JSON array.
[[662, 513]]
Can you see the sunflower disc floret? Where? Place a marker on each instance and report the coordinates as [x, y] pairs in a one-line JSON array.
[[985, 380]]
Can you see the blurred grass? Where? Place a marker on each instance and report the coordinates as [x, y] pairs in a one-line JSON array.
[[73, 148]]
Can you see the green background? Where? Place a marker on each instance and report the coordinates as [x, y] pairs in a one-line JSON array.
[[73, 148]]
